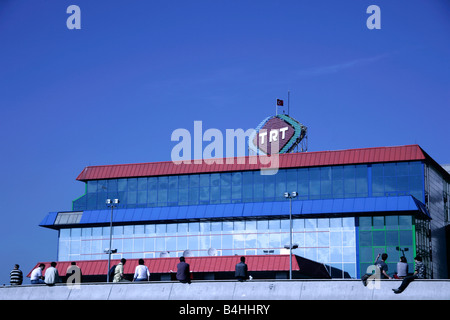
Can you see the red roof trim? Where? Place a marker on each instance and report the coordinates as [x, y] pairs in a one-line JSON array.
[[288, 160], [197, 264]]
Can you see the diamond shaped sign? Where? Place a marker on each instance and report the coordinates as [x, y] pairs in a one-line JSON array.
[[277, 134]]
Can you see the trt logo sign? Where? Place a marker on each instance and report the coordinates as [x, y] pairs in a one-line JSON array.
[[278, 134]]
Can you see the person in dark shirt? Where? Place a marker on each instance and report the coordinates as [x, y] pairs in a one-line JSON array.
[[241, 270], [16, 276], [381, 265], [419, 273], [183, 272]]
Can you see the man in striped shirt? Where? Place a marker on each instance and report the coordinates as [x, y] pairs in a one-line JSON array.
[[16, 276]]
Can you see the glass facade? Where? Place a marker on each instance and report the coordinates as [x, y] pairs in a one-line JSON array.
[[332, 182], [329, 241], [349, 244], [386, 234]]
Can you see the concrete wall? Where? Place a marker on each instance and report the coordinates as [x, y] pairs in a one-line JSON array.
[[233, 290]]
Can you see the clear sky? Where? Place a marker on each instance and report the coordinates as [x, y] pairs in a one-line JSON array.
[[114, 91]]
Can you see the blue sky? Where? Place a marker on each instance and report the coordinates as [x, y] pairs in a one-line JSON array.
[[114, 91]]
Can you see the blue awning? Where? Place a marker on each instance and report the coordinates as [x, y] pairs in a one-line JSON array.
[[278, 209]]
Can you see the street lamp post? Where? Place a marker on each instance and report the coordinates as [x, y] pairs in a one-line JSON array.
[[112, 204], [290, 196]]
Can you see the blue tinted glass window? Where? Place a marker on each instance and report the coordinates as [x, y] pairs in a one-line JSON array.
[[274, 225], [236, 193], [92, 201], [172, 196], [314, 183], [389, 169], [402, 169], [349, 181], [183, 227], [247, 186], [269, 187], [102, 186], [258, 183], [215, 195], [193, 196], [391, 222], [379, 238], [310, 223], [64, 233], [92, 186], [337, 172], [291, 179], [161, 228], [365, 238], [405, 222], [405, 237], [228, 226], [361, 181], [194, 227], [325, 182], [204, 195], [194, 180], [390, 184], [377, 170], [142, 183], [204, 180], [225, 179], [348, 223], [236, 178], [415, 168], [262, 225], [378, 222], [215, 179], [183, 181], [183, 196], [122, 185], [392, 238], [142, 197], [131, 197], [173, 182], [402, 183], [216, 226], [132, 184], [112, 185]]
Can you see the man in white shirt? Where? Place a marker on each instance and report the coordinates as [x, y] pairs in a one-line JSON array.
[[141, 272], [52, 275], [36, 275]]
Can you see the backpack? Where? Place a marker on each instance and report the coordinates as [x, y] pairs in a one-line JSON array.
[[111, 273]]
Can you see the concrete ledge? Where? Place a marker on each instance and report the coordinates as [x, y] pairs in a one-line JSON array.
[[234, 290]]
